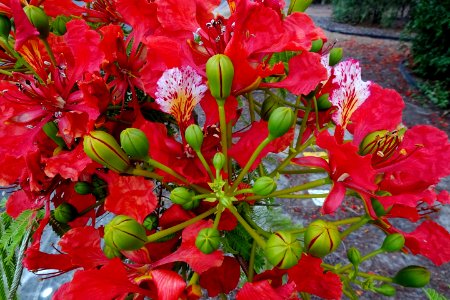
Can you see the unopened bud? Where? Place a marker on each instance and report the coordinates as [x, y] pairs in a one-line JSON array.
[[181, 195], [59, 25], [386, 290], [378, 207], [336, 55], [264, 186], [413, 276], [103, 148], [39, 19], [280, 121], [316, 45], [150, 222], [321, 238], [283, 250], [323, 102], [135, 143], [354, 256], [125, 233], [83, 188], [220, 74], [393, 242], [111, 252], [299, 5], [5, 26], [268, 106], [51, 130], [208, 240], [218, 161], [65, 213], [194, 137]]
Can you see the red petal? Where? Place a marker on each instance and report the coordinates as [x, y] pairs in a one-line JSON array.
[[430, 240], [190, 254], [334, 198], [19, 201], [130, 195], [211, 110], [263, 290], [169, 284], [305, 73], [221, 279], [309, 277], [68, 164], [24, 29], [140, 14], [312, 161]]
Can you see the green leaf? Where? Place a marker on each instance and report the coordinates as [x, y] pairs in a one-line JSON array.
[[433, 294]]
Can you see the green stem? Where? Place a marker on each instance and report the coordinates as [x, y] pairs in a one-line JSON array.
[[145, 173], [297, 231], [346, 221], [49, 51], [163, 233], [166, 169], [355, 226], [243, 191], [251, 106], [364, 258], [247, 227], [304, 196], [5, 72], [223, 133], [303, 127], [251, 263], [316, 110], [303, 171], [249, 163], [218, 215], [305, 186], [375, 277], [88, 209], [203, 196], [205, 165], [255, 226]]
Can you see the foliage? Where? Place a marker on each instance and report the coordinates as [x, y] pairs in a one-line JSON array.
[[434, 295], [383, 12], [430, 47]]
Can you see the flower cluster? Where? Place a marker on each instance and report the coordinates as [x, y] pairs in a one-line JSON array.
[[160, 114]]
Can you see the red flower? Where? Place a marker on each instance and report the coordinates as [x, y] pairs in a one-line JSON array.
[[264, 290], [222, 279], [310, 277]]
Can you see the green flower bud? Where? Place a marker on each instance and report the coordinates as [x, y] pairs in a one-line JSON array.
[[378, 207], [135, 143], [268, 106], [111, 252], [299, 5], [219, 161], [280, 121], [382, 144], [191, 204], [150, 222], [264, 186], [83, 188], [336, 55], [65, 213], [125, 233], [393, 242], [413, 276], [220, 73], [181, 195], [370, 144], [354, 256], [386, 290], [5, 26], [103, 148], [208, 240], [283, 250], [316, 45], [59, 25], [51, 130], [323, 103], [39, 19], [321, 238], [194, 137]]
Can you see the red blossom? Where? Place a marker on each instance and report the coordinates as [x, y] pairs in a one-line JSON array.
[[130, 195], [310, 277], [221, 279], [263, 290]]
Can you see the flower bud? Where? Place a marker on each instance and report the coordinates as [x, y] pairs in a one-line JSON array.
[[208, 240], [268, 106], [323, 103], [280, 121], [51, 130], [191, 204], [412, 276], [65, 213], [135, 143], [264, 186], [181, 195], [336, 55], [194, 137], [59, 25], [354, 256], [370, 144], [321, 238], [5, 26], [386, 290], [150, 222], [393, 242], [39, 19], [378, 207], [125, 233], [283, 250], [103, 148], [220, 73], [316, 45], [111, 252], [83, 188], [299, 5], [219, 161]]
